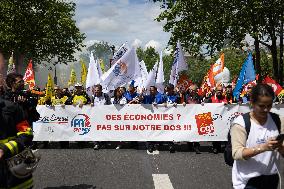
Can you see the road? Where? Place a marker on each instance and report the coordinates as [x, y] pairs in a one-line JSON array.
[[131, 169]]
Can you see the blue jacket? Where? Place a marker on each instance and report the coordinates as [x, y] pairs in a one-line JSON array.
[[158, 99]]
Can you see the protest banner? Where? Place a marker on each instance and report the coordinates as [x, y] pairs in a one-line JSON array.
[[134, 122]]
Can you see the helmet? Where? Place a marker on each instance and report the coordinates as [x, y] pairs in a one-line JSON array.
[[23, 164]]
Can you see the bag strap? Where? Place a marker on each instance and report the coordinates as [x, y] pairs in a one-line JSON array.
[[276, 120], [246, 117]]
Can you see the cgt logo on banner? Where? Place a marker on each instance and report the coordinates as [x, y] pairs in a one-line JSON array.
[[81, 124], [204, 123]]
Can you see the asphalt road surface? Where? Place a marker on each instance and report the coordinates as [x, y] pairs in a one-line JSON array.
[[130, 168]]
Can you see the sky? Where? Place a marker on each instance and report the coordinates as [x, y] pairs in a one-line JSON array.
[[118, 21], [115, 22]]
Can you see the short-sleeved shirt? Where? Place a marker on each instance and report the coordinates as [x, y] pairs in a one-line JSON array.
[[265, 163]]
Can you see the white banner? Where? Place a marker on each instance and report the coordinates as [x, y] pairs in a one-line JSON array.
[[134, 122]]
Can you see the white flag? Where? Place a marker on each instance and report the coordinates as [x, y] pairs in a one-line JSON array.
[[151, 77], [93, 75], [123, 71], [100, 72], [120, 52], [179, 64], [144, 74], [160, 75]]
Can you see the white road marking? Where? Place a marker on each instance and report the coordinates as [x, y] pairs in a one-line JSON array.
[[162, 181], [156, 152]]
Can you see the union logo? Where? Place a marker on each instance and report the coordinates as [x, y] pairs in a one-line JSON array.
[[204, 123], [120, 68], [81, 124]]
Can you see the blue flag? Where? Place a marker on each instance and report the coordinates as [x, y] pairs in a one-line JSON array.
[[247, 74]]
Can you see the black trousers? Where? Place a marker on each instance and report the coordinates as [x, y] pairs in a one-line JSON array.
[[263, 182]]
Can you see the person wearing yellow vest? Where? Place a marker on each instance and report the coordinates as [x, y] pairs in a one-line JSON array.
[[58, 98], [79, 98]]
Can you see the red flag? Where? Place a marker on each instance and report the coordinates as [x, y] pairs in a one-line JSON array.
[[29, 76], [208, 82], [184, 82], [276, 87]]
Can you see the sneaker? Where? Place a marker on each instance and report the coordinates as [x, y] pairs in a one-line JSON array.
[[151, 148], [197, 151], [215, 150], [118, 147], [96, 147], [172, 149]]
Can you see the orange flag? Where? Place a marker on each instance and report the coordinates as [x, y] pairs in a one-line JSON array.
[[208, 82], [219, 65], [29, 76]]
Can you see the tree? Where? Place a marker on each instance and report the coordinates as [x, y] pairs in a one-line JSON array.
[[150, 56], [39, 29], [262, 20], [168, 60], [206, 26], [101, 50], [200, 26], [234, 59]]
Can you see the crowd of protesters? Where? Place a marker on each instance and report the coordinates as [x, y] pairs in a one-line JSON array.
[[77, 95]]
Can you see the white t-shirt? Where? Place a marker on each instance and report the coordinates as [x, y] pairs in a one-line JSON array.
[[262, 164], [99, 100], [121, 101]]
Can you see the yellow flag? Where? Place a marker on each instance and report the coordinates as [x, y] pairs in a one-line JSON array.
[[102, 65], [49, 91], [72, 79], [83, 73]]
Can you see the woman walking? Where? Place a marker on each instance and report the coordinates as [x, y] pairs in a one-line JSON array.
[[257, 154]]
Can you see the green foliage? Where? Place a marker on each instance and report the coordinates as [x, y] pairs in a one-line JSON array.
[[101, 50], [39, 29], [197, 68], [150, 56], [196, 23], [168, 60], [206, 26], [235, 58]]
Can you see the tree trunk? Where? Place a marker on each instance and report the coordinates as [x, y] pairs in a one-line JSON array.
[[274, 58], [281, 55], [257, 58], [19, 63], [3, 68]]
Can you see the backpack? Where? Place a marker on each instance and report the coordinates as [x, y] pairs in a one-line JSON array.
[[228, 147]]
